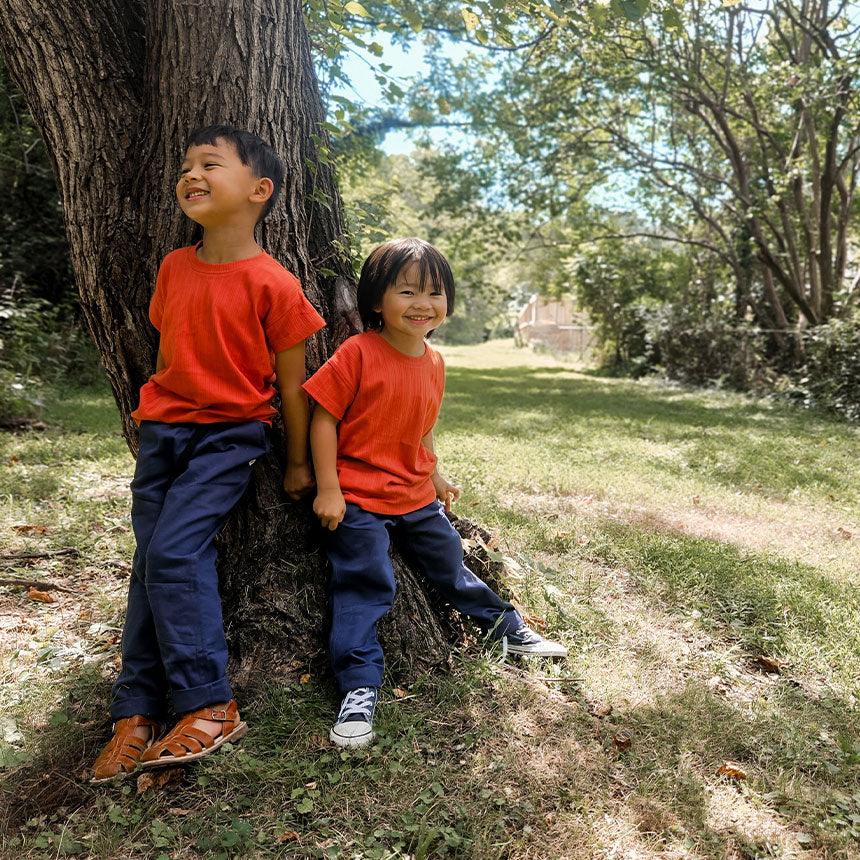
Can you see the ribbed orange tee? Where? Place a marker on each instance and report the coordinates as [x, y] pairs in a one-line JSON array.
[[386, 403], [220, 326]]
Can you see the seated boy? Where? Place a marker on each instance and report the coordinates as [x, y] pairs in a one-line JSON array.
[[232, 321], [377, 399]]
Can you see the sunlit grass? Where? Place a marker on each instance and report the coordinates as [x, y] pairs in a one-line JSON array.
[[670, 537]]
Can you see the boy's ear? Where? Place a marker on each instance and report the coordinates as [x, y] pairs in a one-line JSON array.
[[262, 190]]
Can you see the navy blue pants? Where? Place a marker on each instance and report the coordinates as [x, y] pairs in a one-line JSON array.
[[362, 584], [188, 479]]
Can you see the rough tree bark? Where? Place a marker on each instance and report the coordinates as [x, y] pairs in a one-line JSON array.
[[115, 87]]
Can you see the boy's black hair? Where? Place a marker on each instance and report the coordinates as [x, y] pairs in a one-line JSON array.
[[252, 151], [384, 264]]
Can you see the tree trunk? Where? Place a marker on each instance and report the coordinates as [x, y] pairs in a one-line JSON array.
[[115, 87]]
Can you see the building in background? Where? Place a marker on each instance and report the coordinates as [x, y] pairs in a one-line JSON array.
[[554, 324]]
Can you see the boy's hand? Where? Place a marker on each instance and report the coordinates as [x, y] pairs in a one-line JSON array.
[[330, 507], [298, 480], [445, 492]]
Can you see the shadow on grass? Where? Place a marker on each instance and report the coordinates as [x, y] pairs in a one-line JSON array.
[[61, 745], [740, 443], [486, 762], [794, 776], [771, 605]]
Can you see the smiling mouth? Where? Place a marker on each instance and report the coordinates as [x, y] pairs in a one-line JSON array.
[[419, 319], [196, 195]]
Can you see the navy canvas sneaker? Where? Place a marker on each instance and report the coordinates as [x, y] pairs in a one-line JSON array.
[[524, 641], [354, 725]]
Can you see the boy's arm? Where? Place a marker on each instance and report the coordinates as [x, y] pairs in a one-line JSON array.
[[446, 493], [329, 505], [290, 373]]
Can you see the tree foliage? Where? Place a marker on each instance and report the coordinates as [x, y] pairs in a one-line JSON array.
[[729, 128]]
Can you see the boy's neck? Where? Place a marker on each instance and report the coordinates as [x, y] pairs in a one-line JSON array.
[[413, 346], [226, 245]]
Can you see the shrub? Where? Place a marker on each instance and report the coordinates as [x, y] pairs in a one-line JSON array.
[[830, 375], [40, 344], [708, 350]]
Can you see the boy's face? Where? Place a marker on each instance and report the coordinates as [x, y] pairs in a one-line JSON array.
[[215, 187], [405, 308]]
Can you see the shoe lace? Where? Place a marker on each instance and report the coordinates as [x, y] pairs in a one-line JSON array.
[[358, 703]]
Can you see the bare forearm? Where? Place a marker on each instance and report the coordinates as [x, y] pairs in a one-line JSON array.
[[324, 449], [428, 442], [295, 411], [446, 492]]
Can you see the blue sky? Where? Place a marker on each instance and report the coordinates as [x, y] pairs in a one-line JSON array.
[[406, 64]]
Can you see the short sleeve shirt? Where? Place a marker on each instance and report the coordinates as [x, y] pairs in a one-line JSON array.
[[386, 402], [220, 326]]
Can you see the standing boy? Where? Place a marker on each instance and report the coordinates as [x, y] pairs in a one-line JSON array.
[[232, 322]]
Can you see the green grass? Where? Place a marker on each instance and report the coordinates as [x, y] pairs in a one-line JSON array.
[[670, 537]]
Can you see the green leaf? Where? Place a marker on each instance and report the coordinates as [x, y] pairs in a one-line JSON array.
[[117, 815], [355, 8], [470, 19], [10, 757], [632, 10], [413, 19], [305, 806], [672, 19]]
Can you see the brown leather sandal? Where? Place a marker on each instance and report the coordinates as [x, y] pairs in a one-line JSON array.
[[123, 751], [185, 742]]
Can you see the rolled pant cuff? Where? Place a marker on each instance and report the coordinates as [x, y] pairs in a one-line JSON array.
[[137, 706], [199, 697], [356, 678]]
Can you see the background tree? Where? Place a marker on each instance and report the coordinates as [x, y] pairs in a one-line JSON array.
[[732, 128], [114, 89]]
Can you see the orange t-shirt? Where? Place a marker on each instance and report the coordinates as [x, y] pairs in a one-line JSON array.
[[220, 326], [386, 403]]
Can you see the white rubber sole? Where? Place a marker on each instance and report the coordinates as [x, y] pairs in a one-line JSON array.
[[351, 741], [520, 651]]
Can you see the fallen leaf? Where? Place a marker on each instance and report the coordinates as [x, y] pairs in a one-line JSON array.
[[844, 533], [697, 500], [583, 540], [535, 621], [176, 810], [154, 780], [288, 836], [623, 739], [30, 529], [600, 710], [310, 786], [319, 742], [768, 664], [41, 596], [400, 693], [732, 770], [305, 679]]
